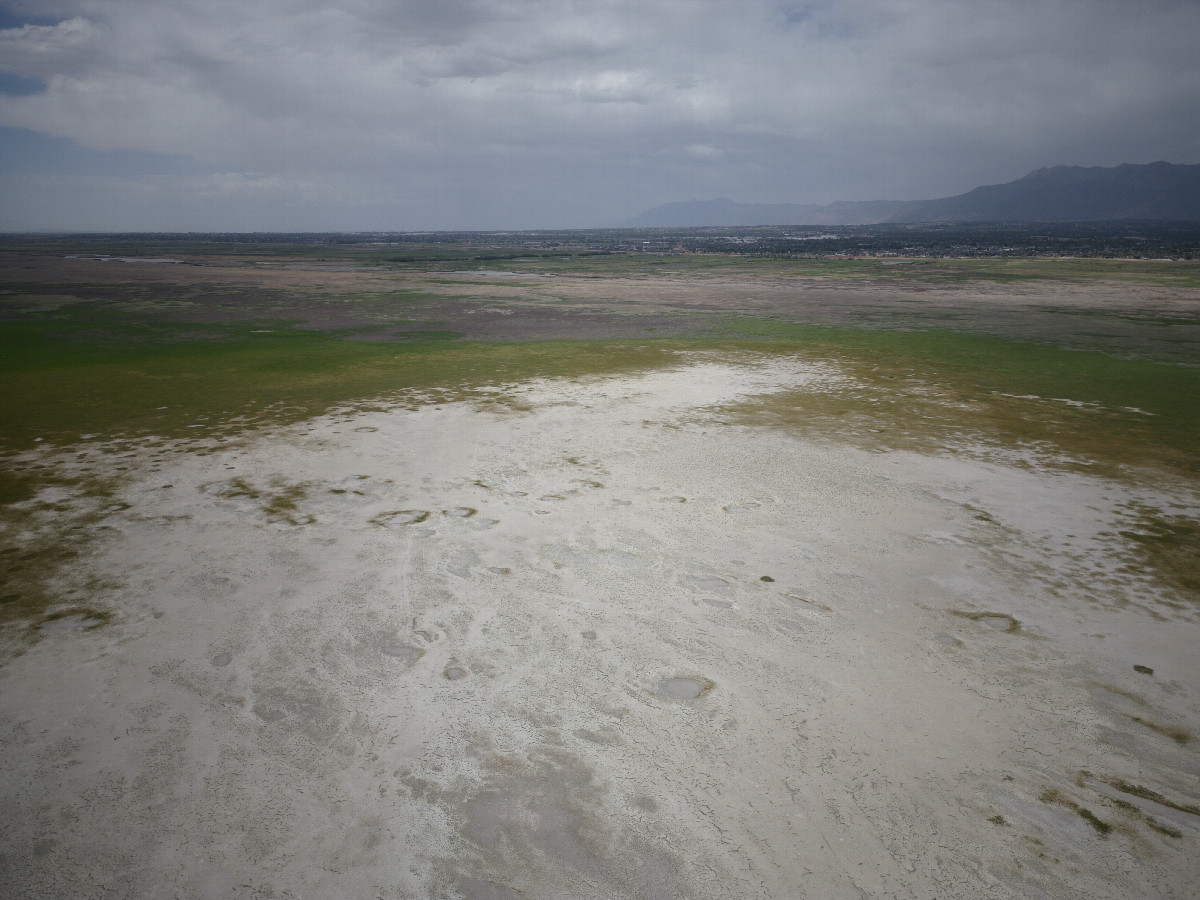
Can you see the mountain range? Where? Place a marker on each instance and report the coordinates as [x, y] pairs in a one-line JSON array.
[[1157, 191]]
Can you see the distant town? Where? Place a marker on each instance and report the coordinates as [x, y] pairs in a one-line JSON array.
[[1099, 240]]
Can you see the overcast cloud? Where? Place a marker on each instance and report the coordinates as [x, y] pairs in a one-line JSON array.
[[431, 114]]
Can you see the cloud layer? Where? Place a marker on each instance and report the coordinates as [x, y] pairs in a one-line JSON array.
[[411, 114]]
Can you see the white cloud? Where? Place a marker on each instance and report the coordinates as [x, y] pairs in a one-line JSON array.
[[704, 152], [40, 50]]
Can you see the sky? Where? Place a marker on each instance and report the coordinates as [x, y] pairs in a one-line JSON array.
[[413, 115]]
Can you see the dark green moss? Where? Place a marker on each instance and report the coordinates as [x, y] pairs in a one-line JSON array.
[[993, 619], [1050, 795], [1170, 547], [89, 618], [1088, 816], [282, 506], [1163, 829], [1146, 793], [51, 535], [1177, 733]]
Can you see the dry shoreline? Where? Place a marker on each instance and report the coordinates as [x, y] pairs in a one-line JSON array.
[[606, 647]]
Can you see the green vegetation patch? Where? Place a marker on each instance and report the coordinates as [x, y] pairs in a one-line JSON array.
[[1170, 545], [1052, 796], [1179, 734], [61, 384], [41, 537], [999, 621], [941, 390], [1146, 793], [283, 505]]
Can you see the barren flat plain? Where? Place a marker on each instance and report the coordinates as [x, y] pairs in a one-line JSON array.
[[589, 577]]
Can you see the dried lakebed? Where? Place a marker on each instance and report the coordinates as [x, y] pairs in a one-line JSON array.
[[604, 644]]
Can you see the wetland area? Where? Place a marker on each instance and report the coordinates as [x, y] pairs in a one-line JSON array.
[[370, 571]]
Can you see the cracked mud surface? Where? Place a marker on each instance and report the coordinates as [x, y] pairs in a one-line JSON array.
[[605, 645]]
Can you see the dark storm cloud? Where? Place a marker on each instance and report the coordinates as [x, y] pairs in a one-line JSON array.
[[499, 113]]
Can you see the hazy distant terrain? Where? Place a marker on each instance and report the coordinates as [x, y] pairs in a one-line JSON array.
[[698, 213], [1157, 191]]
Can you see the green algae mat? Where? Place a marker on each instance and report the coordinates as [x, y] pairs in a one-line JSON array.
[[1099, 359]]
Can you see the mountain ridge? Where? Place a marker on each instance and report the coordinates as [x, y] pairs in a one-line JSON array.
[[1157, 191]]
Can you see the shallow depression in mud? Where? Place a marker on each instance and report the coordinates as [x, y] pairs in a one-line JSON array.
[[684, 688], [401, 517], [403, 652]]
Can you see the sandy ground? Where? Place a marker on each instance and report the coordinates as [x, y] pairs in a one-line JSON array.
[[607, 646]]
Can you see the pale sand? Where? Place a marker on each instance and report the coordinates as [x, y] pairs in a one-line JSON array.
[[571, 680]]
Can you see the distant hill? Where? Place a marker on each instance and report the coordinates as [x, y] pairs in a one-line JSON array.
[[1158, 191]]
